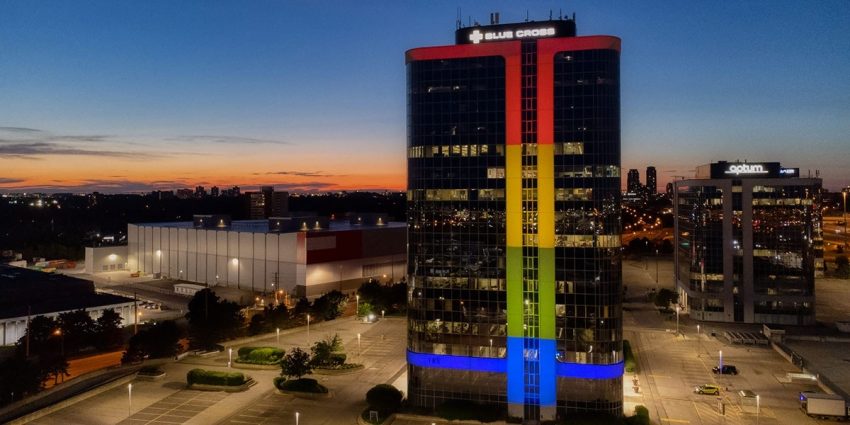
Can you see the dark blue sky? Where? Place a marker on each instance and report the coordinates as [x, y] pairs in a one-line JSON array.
[[313, 93]]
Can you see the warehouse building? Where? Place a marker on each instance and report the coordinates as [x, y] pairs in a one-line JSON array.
[[305, 256], [26, 293]]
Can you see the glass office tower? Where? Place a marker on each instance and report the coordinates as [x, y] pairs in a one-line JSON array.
[[514, 220], [747, 238]]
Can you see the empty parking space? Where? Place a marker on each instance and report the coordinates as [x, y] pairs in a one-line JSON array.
[[177, 408]]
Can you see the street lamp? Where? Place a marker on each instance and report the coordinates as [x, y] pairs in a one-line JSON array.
[[699, 342], [382, 313], [296, 417], [58, 332], [720, 363], [278, 336], [358, 345], [491, 347], [677, 319], [357, 308], [758, 408], [129, 400], [656, 267], [308, 326], [229, 357]]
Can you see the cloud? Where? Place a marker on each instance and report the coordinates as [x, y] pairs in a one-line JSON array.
[[299, 174], [232, 140], [33, 150], [103, 186], [31, 143], [6, 180], [19, 130]]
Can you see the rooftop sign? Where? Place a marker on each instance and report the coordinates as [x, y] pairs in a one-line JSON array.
[[521, 31], [743, 170]]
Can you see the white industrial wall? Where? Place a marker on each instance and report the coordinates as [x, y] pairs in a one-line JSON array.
[[13, 328], [244, 260], [325, 277], [111, 257]]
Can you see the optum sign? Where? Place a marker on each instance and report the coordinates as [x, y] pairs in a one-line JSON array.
[[738, 169]]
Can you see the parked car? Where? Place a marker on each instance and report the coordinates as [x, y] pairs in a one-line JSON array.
[[726, 370], [709, 389]]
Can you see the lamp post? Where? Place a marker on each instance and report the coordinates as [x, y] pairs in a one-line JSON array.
[[358, 345], [491, 347], [308, 326], [296, 417], [656, 267], [129, 400], [357, 308], [720, 363], [758, 408], [229, 357], [58, 332], [844, 217], [699, 342], [278, 336], [677, 319], [382, 313]]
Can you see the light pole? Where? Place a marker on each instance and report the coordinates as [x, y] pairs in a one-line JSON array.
[[357, 308], [229, 357], [699, 342], [491, 347], [129, 400], [677, 319], [278, 336], [58, 332], [656, 267], [844, 217], [720, 363], [758, 408], [296, 417], [382, 314], [358, 345], [308, 326]]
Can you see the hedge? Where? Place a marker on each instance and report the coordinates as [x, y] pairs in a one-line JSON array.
[[260, 355], [631, 365], [304, 385], [211, 377]]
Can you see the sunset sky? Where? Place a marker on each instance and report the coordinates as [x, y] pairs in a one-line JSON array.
[[129, 96]]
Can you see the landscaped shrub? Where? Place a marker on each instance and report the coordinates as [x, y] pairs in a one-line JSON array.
[[631, 363], [641, 416], [211, 377], [244, 351], [260, 355], [304, 385], [384, 398]]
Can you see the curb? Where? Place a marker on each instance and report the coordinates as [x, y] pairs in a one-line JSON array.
[[226, 388]]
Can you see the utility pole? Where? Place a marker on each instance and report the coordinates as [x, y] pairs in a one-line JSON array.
[[135, 314]]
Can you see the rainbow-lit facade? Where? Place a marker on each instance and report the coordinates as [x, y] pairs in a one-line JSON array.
[[514, 221]]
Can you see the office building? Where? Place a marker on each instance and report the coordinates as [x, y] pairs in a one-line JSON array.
[[746, 237], [633, 181], [514, 220], [307, 256], [651, 182]]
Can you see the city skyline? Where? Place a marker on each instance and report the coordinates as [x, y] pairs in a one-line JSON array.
[[138, 97]]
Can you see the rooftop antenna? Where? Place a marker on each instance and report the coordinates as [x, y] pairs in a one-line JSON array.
[[560, 14], [550, 14], [526, 15], [458, 22], [497, 17]]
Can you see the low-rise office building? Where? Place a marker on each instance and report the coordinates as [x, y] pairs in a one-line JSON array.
[[747, 237], [304, 256]]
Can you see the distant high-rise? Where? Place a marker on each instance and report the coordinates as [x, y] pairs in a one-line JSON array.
[[513, 150], [268, 203], [214, 191], [200, 192], [633, 181], [651, 181]]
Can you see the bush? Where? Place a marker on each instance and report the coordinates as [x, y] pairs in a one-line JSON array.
[[244, 351], [641, 416], [267, 355], [296, 364], [630, 362], [150, 370], [304, 385], [384, 398], [211, 377], [469, 410], [327, 352]]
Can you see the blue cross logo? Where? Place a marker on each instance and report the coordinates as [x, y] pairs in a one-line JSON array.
[[476, 37]]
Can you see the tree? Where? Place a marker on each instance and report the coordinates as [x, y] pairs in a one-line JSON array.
[[373, 293], [302, 307], [277, 316], [842, 266], [42, 336], [77, 330], [212, 319], [331, 305], [296, 364], [19, 377], [364, 309], [160, 340], [665, 297], [384, 398], [323, 351], [109, 333]]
